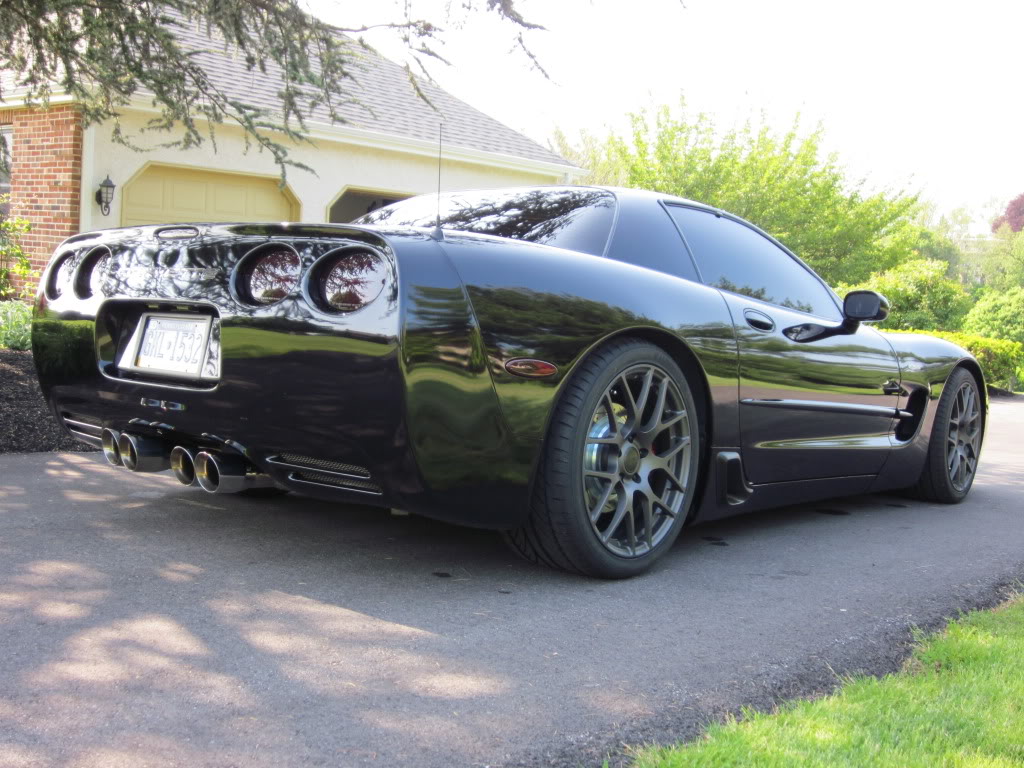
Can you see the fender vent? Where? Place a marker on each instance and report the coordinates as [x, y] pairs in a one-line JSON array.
[[916, 404]]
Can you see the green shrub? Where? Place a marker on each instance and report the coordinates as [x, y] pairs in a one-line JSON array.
[[1002, 360], [15, 325], [920, 295], [998, 314], [14, 262]]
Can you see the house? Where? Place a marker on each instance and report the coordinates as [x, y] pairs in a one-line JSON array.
[[387, 150]]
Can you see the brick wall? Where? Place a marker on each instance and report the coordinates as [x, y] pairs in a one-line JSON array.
[[46, 174]]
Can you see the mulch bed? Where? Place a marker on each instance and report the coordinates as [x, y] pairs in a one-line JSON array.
[[26, 423]]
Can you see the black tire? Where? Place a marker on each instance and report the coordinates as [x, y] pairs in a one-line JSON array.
[[955, 442], [655, 466]]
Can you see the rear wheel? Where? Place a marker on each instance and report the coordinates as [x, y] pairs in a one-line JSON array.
[[955, 443], [620, 465]]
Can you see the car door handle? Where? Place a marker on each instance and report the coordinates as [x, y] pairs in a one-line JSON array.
[[758, 320]]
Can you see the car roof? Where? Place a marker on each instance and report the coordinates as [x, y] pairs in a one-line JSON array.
[[619, 192], [645, 194]]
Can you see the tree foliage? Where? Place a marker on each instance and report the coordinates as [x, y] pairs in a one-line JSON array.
[[920, 295], [105, 54], [783, 182], [998, 314], [1013, 217], [996, 262]]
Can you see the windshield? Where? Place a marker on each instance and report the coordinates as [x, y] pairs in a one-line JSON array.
[[577, 218]]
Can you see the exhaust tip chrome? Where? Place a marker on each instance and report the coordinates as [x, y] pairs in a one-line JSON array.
[[142, 454], [111, 451], [183, 465], [207, 471], [227, 473]]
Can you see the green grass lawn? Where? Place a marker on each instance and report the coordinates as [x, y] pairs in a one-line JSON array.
[[958, 702]]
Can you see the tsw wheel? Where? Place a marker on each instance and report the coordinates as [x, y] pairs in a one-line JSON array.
[[955, 444], [619, 468]]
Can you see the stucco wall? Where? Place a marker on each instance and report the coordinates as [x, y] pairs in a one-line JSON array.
[[339, 166]]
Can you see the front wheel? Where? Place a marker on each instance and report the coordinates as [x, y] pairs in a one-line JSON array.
[[955, 443], [620, 465]]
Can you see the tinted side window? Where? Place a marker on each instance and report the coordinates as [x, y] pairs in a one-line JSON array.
[[738, 259], [645, 236]]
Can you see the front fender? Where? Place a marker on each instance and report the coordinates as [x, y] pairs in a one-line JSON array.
[[926, 363]]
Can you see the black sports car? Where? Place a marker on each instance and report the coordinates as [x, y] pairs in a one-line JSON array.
[[584, 369]]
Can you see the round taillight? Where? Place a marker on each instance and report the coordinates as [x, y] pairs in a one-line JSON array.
[[93, 273], [270, 275], [347, 281], [61, 276]]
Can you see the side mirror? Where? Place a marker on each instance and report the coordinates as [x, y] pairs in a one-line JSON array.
[[865, 306]]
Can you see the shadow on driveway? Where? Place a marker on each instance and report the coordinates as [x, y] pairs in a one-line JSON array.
[[144, 622]]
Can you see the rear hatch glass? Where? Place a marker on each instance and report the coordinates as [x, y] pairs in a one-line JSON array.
[[576, 218]]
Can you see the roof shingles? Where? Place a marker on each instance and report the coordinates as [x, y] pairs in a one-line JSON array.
[[379, 98]]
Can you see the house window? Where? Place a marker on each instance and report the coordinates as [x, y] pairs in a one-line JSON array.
[[5, 169]]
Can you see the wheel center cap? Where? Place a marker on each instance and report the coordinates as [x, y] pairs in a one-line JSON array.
[[630, 461]]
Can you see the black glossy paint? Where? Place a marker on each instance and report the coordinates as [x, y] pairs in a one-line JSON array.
[[395, 365], [787, 443]]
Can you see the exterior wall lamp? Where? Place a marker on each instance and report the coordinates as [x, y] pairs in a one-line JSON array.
[[105, 195]]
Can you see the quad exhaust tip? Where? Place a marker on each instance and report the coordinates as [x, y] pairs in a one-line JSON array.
[[111, 451], [183, 465], [213, 472], [225, 473], [143, 454]]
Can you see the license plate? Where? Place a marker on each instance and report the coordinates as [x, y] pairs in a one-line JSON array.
[[173, 344]]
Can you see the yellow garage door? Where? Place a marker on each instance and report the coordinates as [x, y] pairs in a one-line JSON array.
[[164, 195]]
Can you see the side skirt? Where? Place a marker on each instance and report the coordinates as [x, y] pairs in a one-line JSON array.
[[728, 493]]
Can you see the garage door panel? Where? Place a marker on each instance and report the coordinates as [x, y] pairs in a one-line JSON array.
[[188, 197], [264, 201], [229, 201], [145, 195], [165, 195]]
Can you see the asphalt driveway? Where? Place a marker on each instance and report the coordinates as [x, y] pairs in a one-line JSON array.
[[142, 623]]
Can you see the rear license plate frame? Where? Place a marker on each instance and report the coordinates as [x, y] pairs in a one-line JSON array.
[[135, 360]]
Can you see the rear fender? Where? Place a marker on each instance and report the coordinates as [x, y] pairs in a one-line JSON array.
[[557, 306]]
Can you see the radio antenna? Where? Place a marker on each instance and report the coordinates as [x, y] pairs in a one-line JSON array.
[[438, 233]]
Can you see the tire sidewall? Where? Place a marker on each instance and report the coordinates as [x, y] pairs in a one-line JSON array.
[[588, 549], [940, 432]]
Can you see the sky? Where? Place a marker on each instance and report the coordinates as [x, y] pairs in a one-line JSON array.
[[921, 96]]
